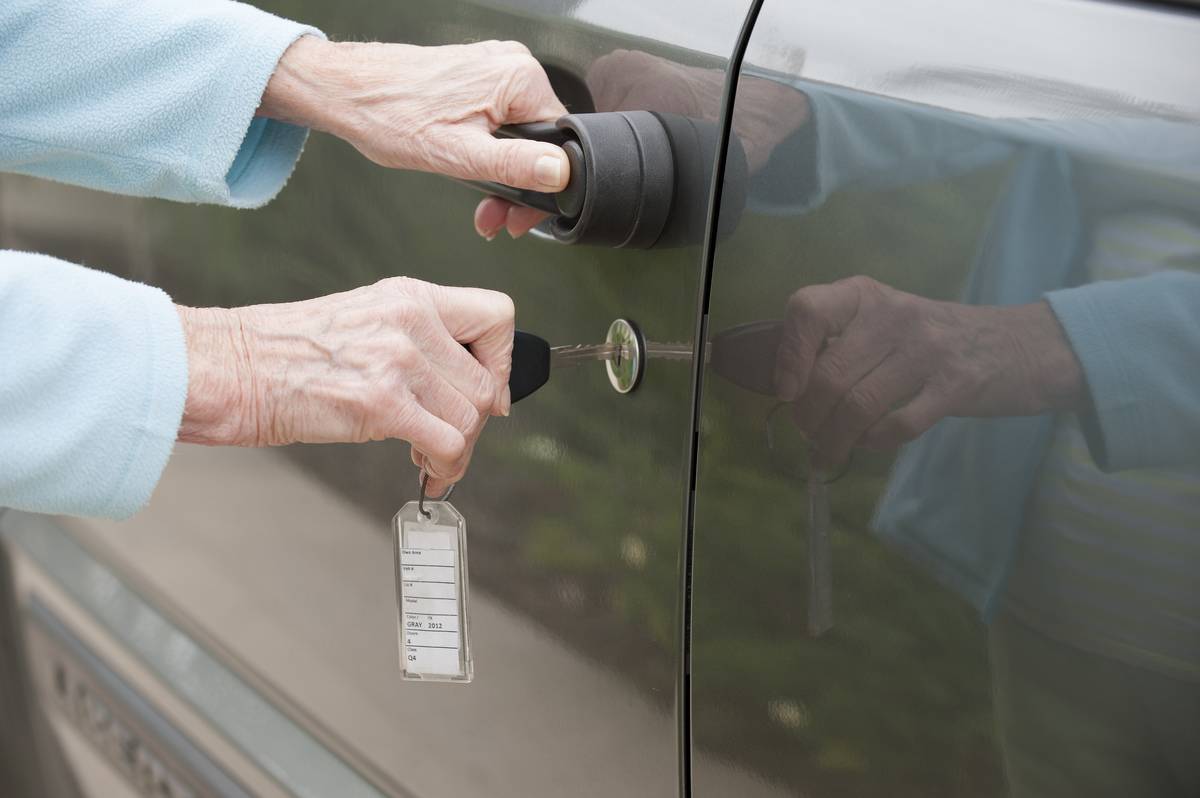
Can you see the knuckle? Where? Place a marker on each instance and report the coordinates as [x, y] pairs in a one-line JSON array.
[[830, 372], [862, 284], [408, 358], [863, 405], [512, 164], [512, 46], [506, 309], [454, 449], [800, 302], [463, 417], [485, 392]]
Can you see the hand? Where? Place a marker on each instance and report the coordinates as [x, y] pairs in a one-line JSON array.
[[383, 361], [427, 108], [628, 80], [867, 365]]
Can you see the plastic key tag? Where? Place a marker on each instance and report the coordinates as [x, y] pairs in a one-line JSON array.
[[431, 591]]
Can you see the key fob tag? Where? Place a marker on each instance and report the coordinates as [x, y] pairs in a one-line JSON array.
[[431, 592]]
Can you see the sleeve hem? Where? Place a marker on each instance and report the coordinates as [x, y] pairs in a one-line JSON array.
[[251, 158], [166, 391], [1112, 422]]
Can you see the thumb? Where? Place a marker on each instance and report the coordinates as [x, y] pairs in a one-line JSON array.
[[532, 165]]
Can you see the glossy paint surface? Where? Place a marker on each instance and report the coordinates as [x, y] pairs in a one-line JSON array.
[[980, 154], [279, 562]]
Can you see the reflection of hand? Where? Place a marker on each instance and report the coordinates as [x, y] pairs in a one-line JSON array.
[[427, 108], [871, 366], [767, 112], [383, 361], [627, 80]]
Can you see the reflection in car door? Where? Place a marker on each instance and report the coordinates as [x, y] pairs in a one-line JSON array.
[[1014, 598]]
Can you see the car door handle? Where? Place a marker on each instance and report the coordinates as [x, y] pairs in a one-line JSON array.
[[639, 179]]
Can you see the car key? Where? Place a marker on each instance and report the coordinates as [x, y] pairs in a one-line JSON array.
[[820, 555], [533, 359]]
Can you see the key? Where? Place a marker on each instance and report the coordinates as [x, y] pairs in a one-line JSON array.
[[533, 359], [820, 557]]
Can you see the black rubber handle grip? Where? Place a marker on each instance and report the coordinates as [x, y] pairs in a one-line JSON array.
[[530, 365]]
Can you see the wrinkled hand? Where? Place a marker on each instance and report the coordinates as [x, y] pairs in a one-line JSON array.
[[867, 365], [427, 108], [383, 361], [628, 80]]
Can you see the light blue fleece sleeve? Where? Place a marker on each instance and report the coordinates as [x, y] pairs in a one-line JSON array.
[[1138, 341], [92, 387], [144, 97], [153, 98]]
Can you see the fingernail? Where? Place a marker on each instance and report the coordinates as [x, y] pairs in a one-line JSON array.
[[548, 171], [505, 402]]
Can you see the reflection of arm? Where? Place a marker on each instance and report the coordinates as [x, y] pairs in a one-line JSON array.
[[91, 390], [151, 98], [858, 140], [1139, 343]]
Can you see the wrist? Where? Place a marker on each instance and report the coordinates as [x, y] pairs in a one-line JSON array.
[[310, 87], [219, 409], [1056, 372]]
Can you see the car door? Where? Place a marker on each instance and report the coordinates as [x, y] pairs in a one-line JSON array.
[[238, 636], [988, 612]]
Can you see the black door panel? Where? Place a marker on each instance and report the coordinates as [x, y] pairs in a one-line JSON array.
[[1009, 618]]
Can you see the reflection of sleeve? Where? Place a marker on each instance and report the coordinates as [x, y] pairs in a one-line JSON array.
[[860, 140], [1139, 343], [91, 391], [145, 97]]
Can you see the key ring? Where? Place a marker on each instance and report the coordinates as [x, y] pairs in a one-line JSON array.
[[771, 445], [421, 496]]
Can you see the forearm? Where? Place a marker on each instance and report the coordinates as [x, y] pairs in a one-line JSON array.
[[149, 98]]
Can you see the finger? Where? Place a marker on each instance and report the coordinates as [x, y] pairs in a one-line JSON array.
[[435, 486], [521, 163], [491, 216], [521, 220], [455, 363], [443, 475], [892, 383], [838, 368], [466, 375], [429, 433], [441, 399], [530, 98], [814, 313], [484, 320], [909, 422]]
